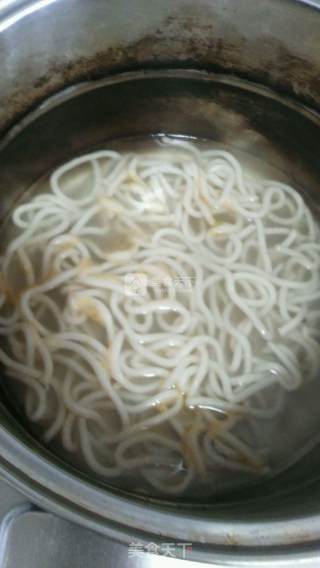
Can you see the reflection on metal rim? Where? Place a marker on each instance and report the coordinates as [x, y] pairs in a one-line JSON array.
[[10, 20]]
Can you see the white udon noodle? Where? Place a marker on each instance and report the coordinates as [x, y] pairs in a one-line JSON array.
[[151, 300]]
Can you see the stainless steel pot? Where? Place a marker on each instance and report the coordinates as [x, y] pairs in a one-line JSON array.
[[246, 73]]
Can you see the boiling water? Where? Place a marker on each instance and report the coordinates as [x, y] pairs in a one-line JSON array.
[[163, 334]]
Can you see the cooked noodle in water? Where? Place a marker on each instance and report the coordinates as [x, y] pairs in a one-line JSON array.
[[157, 306]]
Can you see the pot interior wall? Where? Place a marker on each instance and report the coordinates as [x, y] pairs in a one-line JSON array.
[[230, 112]]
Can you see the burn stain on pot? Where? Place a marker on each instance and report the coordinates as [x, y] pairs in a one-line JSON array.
[[181, 42]]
